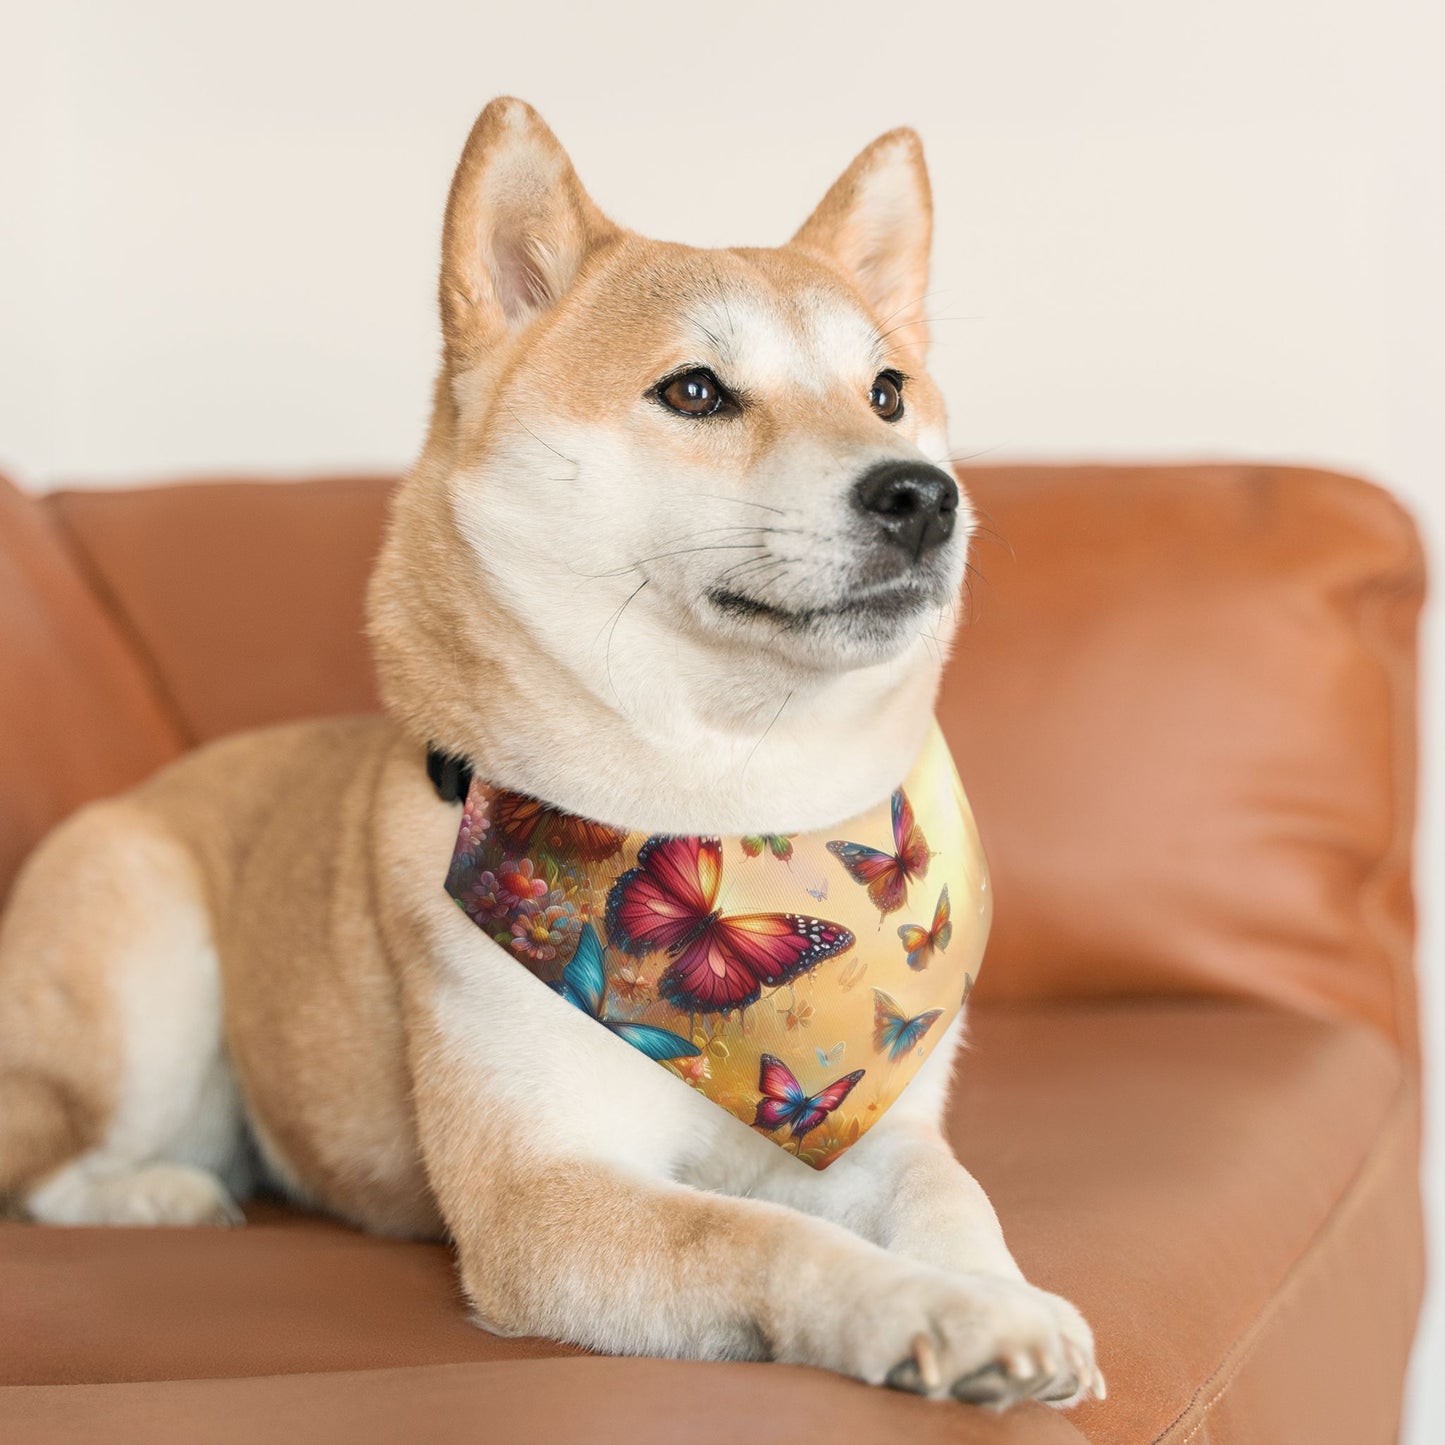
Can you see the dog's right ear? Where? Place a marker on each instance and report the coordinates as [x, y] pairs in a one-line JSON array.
[[518, 228]]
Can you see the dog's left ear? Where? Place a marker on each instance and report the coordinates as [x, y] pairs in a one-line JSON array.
[[877, 223]]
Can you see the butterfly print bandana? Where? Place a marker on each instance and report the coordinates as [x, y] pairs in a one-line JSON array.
[[797, 980]]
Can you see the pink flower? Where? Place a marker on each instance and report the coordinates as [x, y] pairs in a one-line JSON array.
[[487, 901], [631, 985], [475, 823], [695, 1069], [541, 933]]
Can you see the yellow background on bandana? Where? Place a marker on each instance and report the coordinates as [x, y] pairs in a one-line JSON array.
[[822, 1025]]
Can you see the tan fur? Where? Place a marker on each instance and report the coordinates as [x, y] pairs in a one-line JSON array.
[[59, 1038], [259, 942]]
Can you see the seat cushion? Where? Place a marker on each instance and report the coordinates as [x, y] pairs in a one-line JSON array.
[[1227, 1192]]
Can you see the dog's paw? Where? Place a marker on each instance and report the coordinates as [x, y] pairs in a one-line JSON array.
[[1077, 1340], [981, 1338], [149, 1195]]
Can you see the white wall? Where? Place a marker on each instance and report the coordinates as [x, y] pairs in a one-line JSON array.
[[1164, 228]]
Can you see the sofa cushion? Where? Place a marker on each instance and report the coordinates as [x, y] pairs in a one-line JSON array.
[[1191, 1176], [531, 1402], [79, 715]]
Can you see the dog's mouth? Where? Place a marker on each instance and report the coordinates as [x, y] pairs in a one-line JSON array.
[[875, 606]]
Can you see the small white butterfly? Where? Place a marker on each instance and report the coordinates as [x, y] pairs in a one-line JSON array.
[[828, 1057], [813, 881]]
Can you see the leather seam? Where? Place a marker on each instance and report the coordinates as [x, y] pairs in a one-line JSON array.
[[130, 633], [1242, 1350]]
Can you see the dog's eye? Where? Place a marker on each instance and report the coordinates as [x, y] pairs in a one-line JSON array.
[[886, 397], [694, 393]]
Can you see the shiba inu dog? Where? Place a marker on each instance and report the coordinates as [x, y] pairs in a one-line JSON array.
[[677, 554]]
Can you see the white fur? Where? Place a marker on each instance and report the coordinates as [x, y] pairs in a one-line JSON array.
[[173, 1150], [707, 728], [811, 343]]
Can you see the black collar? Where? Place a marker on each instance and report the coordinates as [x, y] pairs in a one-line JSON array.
[[450, 775]]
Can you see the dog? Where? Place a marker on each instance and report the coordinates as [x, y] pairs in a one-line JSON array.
[[634, 572]]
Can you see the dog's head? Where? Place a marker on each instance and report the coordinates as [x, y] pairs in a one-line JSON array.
[[735, 455]]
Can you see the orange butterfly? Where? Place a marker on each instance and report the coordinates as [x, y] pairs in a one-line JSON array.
[[524, 823], [887, 875], [921, 943]]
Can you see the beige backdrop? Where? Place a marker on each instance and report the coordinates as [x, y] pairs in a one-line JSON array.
[[1164, 228]]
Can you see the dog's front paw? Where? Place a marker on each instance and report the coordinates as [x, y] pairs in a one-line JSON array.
[[1077, 1340], [982, 1338]]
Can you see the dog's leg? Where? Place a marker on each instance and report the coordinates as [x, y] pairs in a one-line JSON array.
[[625, 1264], [550, 1155], [116, 1104], [901, 1188]]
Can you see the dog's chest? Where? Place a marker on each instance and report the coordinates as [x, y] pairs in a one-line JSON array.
[[795, 982]]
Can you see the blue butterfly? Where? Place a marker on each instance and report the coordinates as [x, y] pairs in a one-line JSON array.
[[894, 1030], [584, 985]]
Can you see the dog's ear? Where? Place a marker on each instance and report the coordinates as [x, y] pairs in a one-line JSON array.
[[518, 228], [877, 223]]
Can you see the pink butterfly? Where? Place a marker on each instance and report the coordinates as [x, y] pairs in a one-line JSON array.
[[719, 961], [785, 1103], [886, 875]]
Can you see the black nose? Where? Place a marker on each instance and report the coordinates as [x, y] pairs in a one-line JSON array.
[[915, 504]]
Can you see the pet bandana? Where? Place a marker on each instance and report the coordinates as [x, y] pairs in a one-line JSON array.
[[798, 980]]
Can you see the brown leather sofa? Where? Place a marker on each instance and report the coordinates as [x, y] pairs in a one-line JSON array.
[[1185, 712]]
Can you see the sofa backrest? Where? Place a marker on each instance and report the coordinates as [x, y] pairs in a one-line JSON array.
[[245, 596], [1185, 712], [1183, 704]]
